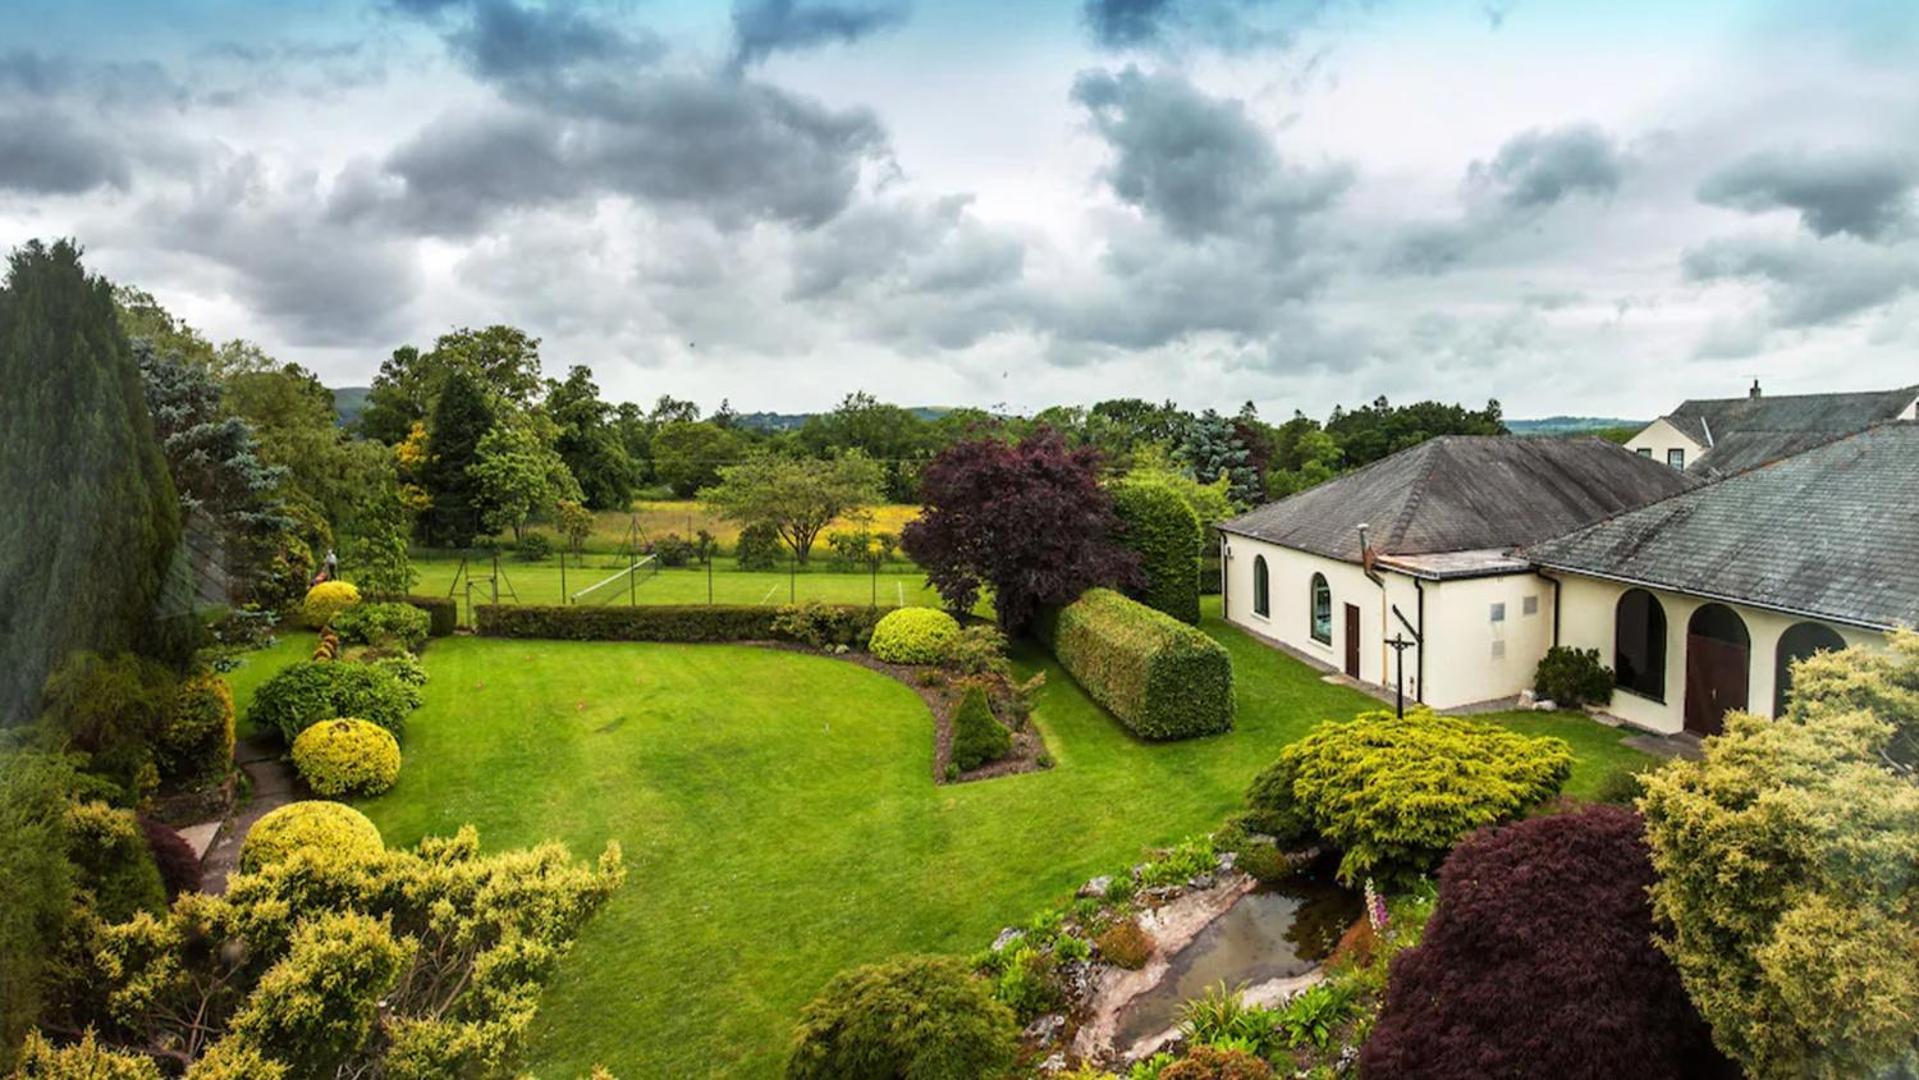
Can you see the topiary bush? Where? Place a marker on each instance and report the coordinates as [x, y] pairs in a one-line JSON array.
[[977, 737], [195, 744], [1571, 678], [179, 866], [1158, 676], [347, 757], [330, 826], [914, 635], [1539, 960], [112, 862], [924, 1017], [1163, 529], [384, 625], [1394, 794], [326, 600], [304, 693]]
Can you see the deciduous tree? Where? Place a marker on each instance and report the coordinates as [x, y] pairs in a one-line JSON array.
[[518, 474], [798, 497]]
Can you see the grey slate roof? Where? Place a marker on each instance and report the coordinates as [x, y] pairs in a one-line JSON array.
[[1464, 493], [1741, 433], [1831, 533]]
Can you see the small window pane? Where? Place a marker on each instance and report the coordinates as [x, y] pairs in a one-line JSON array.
[[1499, 612], [1322, 610], [1676, 457], [1262, 591], [1529, 606], [1644, 451]]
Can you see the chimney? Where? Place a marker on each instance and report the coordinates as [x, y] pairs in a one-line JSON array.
[[1754, 392]]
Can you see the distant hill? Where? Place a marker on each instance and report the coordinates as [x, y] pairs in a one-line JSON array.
[[772, 421], [349, 402], [1572, 425]]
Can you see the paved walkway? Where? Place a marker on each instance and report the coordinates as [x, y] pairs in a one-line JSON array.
[[274, 785]]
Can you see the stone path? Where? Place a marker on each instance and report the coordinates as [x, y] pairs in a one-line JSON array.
[[274, 785]]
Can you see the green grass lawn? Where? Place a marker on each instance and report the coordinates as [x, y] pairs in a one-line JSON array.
[[780, 822]]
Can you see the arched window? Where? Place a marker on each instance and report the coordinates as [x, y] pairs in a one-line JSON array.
[[1322, 610], [1639, 645], [1262, 593], [1798, 642]]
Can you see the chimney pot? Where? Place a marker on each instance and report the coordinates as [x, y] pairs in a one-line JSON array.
[[1754, 392]]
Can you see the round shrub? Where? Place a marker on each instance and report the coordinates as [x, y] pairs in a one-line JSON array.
[[914, 635], [1571, 678], [328, 599], [111, 861], [304, 693], [196, 736], [179, 866], [385, 625], [977, 737], [759, 547], [1539, 961], [1166, 533], [925, 1017], [331, 826], [347, 757]]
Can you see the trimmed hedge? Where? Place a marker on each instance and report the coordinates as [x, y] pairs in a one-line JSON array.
[[347, 757], [1158, 676], [914, 636], [646, 622], [1166, 534], [304, 693], [443, 612]]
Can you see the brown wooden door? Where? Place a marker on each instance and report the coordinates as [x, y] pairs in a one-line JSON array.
[[1715, 682], [1352, 641]]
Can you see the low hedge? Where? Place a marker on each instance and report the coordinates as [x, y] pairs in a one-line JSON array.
[[308, 691], [384, 624], [443, 612], [1160, 677], [646, 622]]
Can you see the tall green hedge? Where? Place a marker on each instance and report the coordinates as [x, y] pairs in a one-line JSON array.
[[645, 622], [1166, 533], [1160, 677]]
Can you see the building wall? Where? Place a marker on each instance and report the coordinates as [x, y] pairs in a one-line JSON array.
[[1587, 608], [1289, 574], [1473, 658], [1659, 438]]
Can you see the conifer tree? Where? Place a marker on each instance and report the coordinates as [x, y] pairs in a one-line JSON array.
[[461, 418]]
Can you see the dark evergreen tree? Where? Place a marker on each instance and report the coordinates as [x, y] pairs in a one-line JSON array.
[[1213, 448], [90, 534], [588, 442], [461, 418]]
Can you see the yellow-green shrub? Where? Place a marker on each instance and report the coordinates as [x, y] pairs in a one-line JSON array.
[[84, 1060], [196, 738], [331, 826], [914, 635], [328, 599], [347, 757]]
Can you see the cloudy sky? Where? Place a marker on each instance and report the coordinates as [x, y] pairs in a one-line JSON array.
[[1574, 207]]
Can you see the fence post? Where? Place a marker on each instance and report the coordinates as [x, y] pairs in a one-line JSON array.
[[793, 576], [709, 579], [563, 592]]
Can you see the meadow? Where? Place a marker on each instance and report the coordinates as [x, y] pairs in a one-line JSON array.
[[687, 517]]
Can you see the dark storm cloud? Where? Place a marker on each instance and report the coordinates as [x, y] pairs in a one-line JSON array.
[[1196, 163], [1228, 25], [504, 41], [1540, 168], [764, 27], [1867, 195], [904, 247], [1809, 283], [46, 154]]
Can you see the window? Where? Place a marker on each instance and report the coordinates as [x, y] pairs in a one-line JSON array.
[[1262, 596], [1676, 457], [1639, 645], [1322, 610], [1798, 642], [1499, 612], [1529, 606], [1644, 451]]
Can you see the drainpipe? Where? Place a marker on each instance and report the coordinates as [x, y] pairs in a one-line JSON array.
[[1419, 662], [1556, 584]]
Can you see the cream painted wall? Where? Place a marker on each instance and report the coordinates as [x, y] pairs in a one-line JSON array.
[[1586, 622], [1660, 437], [1470, 657], [1289, 575]]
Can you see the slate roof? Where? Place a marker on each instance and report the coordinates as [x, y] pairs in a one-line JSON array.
[[1830, 533], [1745, 432], [1464, 493]]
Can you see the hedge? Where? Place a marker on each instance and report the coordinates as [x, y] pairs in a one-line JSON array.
[[646, 622], [309, 691], [443, 612], [1166, 534], [1160, 677]]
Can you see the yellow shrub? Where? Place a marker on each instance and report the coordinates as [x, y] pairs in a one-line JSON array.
[[347, 757], [331, 826], [328, 599], [914, 635]]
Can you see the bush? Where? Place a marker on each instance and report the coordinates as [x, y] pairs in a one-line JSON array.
[[533, 547], [1395, 794], [114, 709], [196, 738], [84, 1060], [1264, 863], [673, 550], [1209, 1063], [914, 635], [442, 612], [326, 600], [1546, 919], [1166, 534], [179, 866], [1158, 676], [347, 757], [924, 1017], [407, 670], [645, 622], [977, 737], [332, 827], [1124, 944], [304, 693], [980, 649], [384, 625], [1572, 678], [824, 625], [1621, 787], [112, 862], [759, 548]]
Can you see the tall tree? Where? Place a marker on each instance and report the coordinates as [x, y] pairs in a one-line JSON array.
[[1212, 448], [91, 529], [588, 442], [688, 456], [398, 398], [504, 361], [798, 497], [518, 475], [1381, 429], [890, 435], [461, 418], [291, 413]]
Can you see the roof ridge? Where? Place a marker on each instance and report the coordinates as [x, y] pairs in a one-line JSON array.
[[1419, 492]]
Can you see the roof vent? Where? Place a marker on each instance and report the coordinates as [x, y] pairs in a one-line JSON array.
[[1754, 392]]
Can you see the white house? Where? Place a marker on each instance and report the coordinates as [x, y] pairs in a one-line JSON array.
[[1722, 436]]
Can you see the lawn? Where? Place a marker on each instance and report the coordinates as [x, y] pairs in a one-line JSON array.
[[780, 822], [686, 517]]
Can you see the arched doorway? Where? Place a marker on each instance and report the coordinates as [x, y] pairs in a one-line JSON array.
[[1718, 657], [1798, 642]]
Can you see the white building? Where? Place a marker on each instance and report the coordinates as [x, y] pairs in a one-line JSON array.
[[1722, 436]]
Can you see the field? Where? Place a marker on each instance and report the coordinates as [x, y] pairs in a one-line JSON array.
[[686, 517], [780, 821]]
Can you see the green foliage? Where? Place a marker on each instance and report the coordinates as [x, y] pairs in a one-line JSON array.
[[384, 625], [84, 1060], [1395, 794], [195, 742], [347, 757], [112, 709], [462, 417], [1310, 1017], [688, 455], [330, 827], [921, 1017], [376, 550], [317, 1006], [1572, 677], [978, 739], [1183, 862], [1380, 429], [1785, 864], [1125, 945], [1622, 786], [1028, 983], [914, 635], [443, 612], [823, 625], [759, 547], [1212, 447], [39, 889], [1264, 863], [588, 442], [656, 622], [1163, 529], [516, 475], [325, 601], [306, 692], [1217, 1063], [1158, 676], [798, 497], [1220, 1014], [114, 868], [980, 649]]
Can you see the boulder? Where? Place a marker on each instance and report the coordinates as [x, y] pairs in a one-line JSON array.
[[1046, 1029], [1097, 888], [1007, 937]]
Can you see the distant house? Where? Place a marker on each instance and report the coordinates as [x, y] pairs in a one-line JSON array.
[[1722, 436], [1420, 546]]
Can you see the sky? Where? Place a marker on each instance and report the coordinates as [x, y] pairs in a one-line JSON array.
[[1576, 208]]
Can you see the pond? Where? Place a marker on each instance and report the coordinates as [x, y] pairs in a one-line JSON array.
[[1275, 932]]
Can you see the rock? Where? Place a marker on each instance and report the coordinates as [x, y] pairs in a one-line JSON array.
[[1545, 705], [1096, 888], [1227, 859], [1526, 699], [1077, 978], [1044, 1030], [1163, 893], [1202, 881], [1054, 1063], [1007, 937]]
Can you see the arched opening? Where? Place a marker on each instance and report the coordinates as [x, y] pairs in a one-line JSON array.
[[1262, 592], [1322, 610], [1718, 658], [1798, 642], [1639, 644]]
